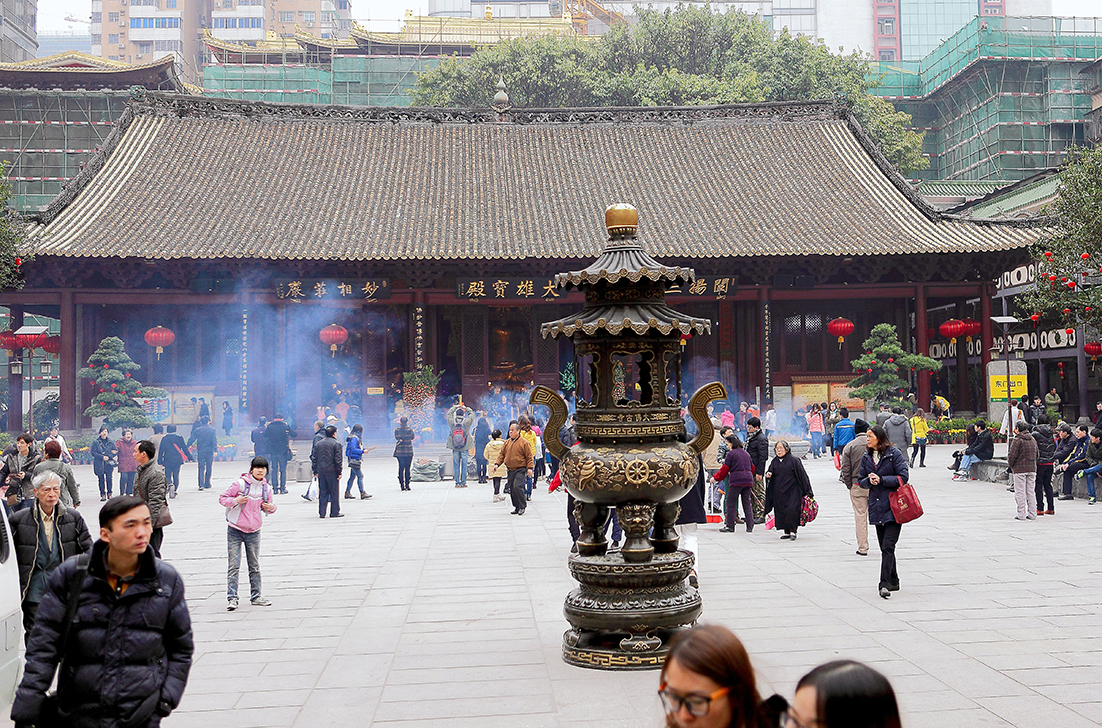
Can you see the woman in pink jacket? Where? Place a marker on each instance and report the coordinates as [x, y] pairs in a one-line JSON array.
[[816, 428], [246, 502]]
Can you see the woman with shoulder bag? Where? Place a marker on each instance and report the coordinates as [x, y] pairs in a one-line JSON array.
[[787, 484], [883, 469]]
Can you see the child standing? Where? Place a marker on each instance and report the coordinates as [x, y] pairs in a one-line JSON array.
[[246, 502]]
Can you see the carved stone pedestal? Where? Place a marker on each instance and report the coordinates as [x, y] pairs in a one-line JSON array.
[[623, 615]]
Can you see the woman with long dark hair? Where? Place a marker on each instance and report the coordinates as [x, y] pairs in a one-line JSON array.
[[403, 451], [786, 485], [482, 430], [843, 694], [707, 681], [883, 469]]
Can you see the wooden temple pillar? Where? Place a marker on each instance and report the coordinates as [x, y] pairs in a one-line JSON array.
[[67, 382], [15, 381], [964, 393], [922, 343], [987, 337]]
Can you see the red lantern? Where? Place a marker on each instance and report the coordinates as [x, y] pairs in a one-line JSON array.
[[685, 338], [840, 327], [52, 345], [31, 341], [159, 337], [8, 341], [1093, 349], [1069, 332], [972, 327], [951, 329], [1048, 254], [931, 333], [1085, 256], [1035, 317], [333, 335], [1071, 284]]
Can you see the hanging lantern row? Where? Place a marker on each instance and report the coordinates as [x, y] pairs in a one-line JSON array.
[[334, 336], [159, 337], [840, 327], [11, 341], [972, 327]]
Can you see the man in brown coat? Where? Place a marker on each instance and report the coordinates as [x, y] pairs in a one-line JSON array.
[[858, 496], [1022, 458], [516, 453]]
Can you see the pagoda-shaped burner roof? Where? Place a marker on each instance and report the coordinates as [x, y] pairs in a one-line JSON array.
[[624, 259], [637, 317]]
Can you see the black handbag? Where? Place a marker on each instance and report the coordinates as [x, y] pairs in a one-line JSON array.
[[50, 715]]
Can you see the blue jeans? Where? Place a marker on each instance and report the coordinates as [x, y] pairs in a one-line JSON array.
[[234, 540], [966, 462], [528, 486], [105, 485], [172, 477], [206, 462], [279, 474], [816, 444], [1088, 473], [126, 483], [459, 465], [617, 532], [354, 474]]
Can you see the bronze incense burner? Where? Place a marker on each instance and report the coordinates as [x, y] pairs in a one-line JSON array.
[[632, 453]]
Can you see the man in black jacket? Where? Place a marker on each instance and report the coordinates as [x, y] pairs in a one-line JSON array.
[[127, 657], [44, 536], [206, 442], [278, 436], [326, 460], [260, 439], [757, 445], [171, 455]]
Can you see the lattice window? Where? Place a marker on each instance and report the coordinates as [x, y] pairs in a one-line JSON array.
[[793, 342], [813, 339], [547, 356], [474, 343]]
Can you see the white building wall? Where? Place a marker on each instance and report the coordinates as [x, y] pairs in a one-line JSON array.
[[846, 23]]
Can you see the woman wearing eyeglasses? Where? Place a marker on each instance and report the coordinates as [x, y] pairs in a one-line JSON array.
[[708, 682], [843, 694]]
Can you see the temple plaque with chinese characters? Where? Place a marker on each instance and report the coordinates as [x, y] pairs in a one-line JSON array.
[[332, 289]]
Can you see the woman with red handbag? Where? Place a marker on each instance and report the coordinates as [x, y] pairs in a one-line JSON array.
[[883, 469]]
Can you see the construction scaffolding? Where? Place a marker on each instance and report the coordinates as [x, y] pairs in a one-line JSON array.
[[1001, 99], [46, 137]]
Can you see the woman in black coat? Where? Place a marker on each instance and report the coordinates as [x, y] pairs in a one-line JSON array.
[[786, 485], [883, 469], [692, 512]]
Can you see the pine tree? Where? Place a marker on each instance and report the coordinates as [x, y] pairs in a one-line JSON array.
[[878, 369], [109, 368], [13, 238]]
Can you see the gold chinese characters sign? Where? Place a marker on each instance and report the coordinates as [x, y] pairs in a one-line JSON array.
[[506, 288], [317, 289]]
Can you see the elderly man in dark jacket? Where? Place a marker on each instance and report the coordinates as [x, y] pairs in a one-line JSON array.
[[44, 536], [128, 653], [1022, 458], [327, 461]]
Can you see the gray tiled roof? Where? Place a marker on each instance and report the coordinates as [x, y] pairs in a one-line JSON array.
[[212, 178]]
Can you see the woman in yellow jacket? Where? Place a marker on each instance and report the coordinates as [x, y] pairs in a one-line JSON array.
[[919, 429], [533, 442], [497, 472]]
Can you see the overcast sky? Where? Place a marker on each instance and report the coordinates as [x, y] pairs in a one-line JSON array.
[[52, 13]]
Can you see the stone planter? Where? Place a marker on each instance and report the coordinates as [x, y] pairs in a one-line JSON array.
[[799, 447]]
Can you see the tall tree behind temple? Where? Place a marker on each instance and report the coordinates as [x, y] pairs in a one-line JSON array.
[[1070, 255], [685, 57], [12, 237]]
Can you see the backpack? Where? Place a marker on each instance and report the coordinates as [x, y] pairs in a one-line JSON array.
[[459, 437]]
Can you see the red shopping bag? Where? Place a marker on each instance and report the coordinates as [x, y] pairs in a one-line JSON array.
[[837, 460], [905, 505]]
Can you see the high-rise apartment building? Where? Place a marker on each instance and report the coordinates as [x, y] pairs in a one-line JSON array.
[[18, 30], [139, 31]]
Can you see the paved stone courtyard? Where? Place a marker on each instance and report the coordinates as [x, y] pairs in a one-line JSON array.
[[437, 607]]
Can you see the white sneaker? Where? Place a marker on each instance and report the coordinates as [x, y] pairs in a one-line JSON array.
[[232, 604]]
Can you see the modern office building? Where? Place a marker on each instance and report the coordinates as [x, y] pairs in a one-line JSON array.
[[18, 30]]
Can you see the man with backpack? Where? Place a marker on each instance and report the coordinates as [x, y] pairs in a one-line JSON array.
[[460, 419]]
